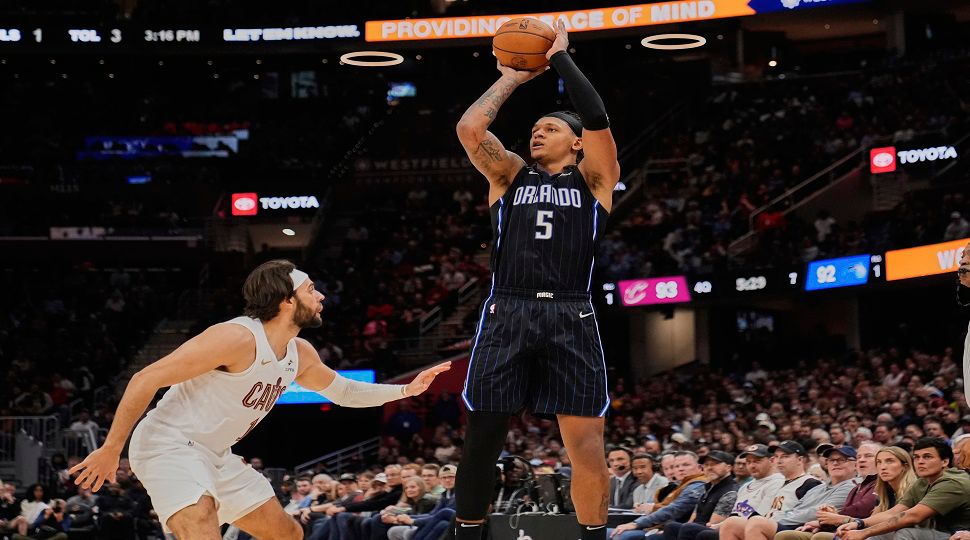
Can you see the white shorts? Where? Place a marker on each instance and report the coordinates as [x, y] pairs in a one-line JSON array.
[[176, 472]]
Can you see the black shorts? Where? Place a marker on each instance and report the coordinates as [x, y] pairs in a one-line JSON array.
[[537, 353]]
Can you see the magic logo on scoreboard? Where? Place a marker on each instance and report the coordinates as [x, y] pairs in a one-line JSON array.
[[841, 272]]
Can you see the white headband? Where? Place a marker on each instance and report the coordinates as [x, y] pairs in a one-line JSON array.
[[298, 277]]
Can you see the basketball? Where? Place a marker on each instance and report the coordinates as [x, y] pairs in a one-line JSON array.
[[522, 43]]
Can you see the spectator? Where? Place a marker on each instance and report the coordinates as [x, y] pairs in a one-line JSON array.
[[819, 505], [430, 526], [958, 228], [935, 507], [429, 473], [896, 476], [622, 482], [414, 500], [741, 474], [116, 511], [52, 524], [648, 482], [791, 459], [31, 507], [716, 504], [386, 491], [9, 509], [304, 486], [677, 505]]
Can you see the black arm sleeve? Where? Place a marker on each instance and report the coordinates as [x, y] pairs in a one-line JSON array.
[[588, 103]]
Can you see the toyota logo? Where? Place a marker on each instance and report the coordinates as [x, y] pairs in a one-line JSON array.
[[245, 204], [882, 159]]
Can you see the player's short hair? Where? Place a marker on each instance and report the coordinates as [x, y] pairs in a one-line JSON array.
[[265, 287]]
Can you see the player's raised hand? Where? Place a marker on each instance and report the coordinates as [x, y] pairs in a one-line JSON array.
[[562, 39], [520, 76], [424, 379], [100, 465]]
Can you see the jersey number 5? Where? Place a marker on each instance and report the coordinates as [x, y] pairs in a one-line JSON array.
[[544, 225]]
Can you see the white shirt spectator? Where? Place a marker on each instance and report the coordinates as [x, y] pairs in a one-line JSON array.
[[647, 493], [957, 229]]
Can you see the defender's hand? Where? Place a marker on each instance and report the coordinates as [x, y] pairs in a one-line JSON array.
[[424, 379], [100, 465], [562, 39]]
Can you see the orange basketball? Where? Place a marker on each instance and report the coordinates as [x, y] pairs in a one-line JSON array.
[[522, 43]]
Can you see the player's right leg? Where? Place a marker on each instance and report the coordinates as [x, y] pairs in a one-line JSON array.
[[197, 521], [494, 388]]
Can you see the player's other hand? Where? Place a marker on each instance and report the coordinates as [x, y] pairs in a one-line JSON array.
[[520, 76], [424, 379], [99, 466], [562, 39]]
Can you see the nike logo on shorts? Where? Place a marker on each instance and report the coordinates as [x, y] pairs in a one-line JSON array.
[[264, 362], [584, 315]]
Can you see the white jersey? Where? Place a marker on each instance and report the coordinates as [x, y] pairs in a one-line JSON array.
[[786, 497], [217, 409], [756, 496]]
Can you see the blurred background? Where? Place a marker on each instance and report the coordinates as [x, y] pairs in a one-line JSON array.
[[783, 242]]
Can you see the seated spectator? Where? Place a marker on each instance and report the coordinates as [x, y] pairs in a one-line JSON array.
[[622, 481], [9, 509], [116, 513], [429, 473], [860, 502], [896, 476], [677, 505], [346, 492], [31, 507], [430, 526], [648, 482], [414, 500], [791, 458], [718, 500], [935, 507], [741, 474], [81, 508], [839, 460], [386, 490], [52, 524], [300, 498]]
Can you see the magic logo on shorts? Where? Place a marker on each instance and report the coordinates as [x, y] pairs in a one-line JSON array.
[[267, 394]]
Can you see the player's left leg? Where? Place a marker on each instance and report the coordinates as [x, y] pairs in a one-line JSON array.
[[269, 522], [583, 438]]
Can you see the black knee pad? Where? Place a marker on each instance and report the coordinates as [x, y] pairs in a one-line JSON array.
[[475, 480]]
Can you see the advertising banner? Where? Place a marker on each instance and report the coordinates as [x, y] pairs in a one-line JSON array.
[[924, 260], [584, 20]]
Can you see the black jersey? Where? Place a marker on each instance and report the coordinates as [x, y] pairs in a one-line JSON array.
[[546, 229]]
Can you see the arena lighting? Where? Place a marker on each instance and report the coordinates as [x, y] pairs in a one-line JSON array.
[[772, 63], [693, 42], [393, 59], [289, 232]]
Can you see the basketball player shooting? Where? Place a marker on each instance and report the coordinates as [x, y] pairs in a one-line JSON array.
[[223, 382], [538, 344]]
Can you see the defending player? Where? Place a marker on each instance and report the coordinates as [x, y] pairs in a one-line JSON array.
[[223, 382], [538, 344]]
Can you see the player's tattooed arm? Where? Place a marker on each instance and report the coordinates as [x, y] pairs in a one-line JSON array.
[[493, 98]]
